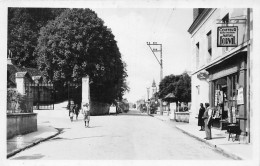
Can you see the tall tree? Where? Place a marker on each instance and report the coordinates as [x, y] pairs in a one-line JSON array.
[[178, 85], [76, 44], [23, 31], [168, 85], [183, 88]]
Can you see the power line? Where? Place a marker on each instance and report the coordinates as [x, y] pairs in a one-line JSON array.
[[154, 20], [163, 35]]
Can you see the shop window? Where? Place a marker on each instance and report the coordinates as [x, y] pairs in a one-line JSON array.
[[233, 97], [225, 20], [225, 98], [220, 98], [198, 89]]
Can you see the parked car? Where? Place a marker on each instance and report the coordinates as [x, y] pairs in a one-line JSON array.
[[112, 109]]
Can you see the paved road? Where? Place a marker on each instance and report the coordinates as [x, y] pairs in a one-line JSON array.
[[130, 136]]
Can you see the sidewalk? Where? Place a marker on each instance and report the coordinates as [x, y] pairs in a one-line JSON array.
[[46, 119], [235, 150], [22, 142]]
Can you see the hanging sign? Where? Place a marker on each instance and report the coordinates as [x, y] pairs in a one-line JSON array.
[[203, 75], [240, 96], [227, 36]]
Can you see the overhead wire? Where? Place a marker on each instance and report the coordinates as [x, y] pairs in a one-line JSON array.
[[163, 35], [154, 20]]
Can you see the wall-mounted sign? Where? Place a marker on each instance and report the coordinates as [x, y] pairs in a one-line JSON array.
[[227, 36], [240, 96], [203, 75]]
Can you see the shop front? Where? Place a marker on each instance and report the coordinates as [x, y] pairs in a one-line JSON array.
[[228, 92]]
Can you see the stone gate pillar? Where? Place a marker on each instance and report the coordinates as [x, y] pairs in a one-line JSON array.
[[20, 82], [85, 90]]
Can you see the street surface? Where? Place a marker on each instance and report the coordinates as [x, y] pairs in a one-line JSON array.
[[127, 136]]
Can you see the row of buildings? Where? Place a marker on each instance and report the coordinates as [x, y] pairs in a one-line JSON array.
[[221, 41]]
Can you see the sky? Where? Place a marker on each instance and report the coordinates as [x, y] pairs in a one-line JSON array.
[[134, 27]]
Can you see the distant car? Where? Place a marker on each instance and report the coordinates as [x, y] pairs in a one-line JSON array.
[[112, 109]]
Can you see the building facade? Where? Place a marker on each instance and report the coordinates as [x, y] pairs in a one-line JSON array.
[[221, 73]]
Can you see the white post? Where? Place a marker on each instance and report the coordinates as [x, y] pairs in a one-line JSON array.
[[85, 90], [20, 82]]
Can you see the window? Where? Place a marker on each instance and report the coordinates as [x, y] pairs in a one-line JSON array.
[[225, 20], [209, 45], [197, 55], [198, 89]]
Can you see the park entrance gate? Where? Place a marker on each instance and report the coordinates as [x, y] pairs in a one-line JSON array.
[[42, 95]]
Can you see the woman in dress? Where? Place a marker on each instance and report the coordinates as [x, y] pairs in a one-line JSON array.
[[200, 119]]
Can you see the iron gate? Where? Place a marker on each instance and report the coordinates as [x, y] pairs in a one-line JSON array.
[[43, 95], [74, 93]]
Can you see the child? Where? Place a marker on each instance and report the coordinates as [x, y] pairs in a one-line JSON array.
[[86, 114], [71, 113]]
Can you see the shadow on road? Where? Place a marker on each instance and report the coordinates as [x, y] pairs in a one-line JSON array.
[[35, 156], [132, 114], [218, 137], [61, 138]]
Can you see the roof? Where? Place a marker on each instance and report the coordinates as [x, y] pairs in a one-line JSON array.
[[199, 19], [170, 95], [21, 74], [13, 69]]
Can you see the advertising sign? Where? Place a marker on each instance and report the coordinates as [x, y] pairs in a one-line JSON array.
[[240, 96], [227, 36]]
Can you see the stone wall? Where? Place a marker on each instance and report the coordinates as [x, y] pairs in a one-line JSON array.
[[182, 116], [21, 123], [99, 108]]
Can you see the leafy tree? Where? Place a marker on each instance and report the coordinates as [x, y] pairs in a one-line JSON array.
[[23, 31], [168, 85], [76, 44], [183, 88], [179, 85]]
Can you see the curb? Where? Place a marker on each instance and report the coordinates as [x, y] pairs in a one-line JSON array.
[[33, 144], [221, 150]]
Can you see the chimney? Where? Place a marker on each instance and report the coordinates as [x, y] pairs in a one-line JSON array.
[[10, 60]]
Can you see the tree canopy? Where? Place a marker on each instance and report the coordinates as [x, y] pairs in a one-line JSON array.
[[178, 85], [23, 31], [76, 44]]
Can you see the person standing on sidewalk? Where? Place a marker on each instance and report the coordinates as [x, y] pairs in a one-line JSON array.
[[72, 111], [76, 109], [208, 120], [86, 114], [200, 119]]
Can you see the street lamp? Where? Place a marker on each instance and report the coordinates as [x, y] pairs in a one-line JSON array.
[[160, 63]]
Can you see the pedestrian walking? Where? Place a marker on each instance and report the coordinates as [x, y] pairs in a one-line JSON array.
[[207, 116], [86, 114], [200, 119], [76, 109], [71, 111]]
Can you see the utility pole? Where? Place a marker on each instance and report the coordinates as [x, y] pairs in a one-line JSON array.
[[160, 63]]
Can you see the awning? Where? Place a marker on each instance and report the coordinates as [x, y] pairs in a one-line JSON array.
[[170, 96]]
